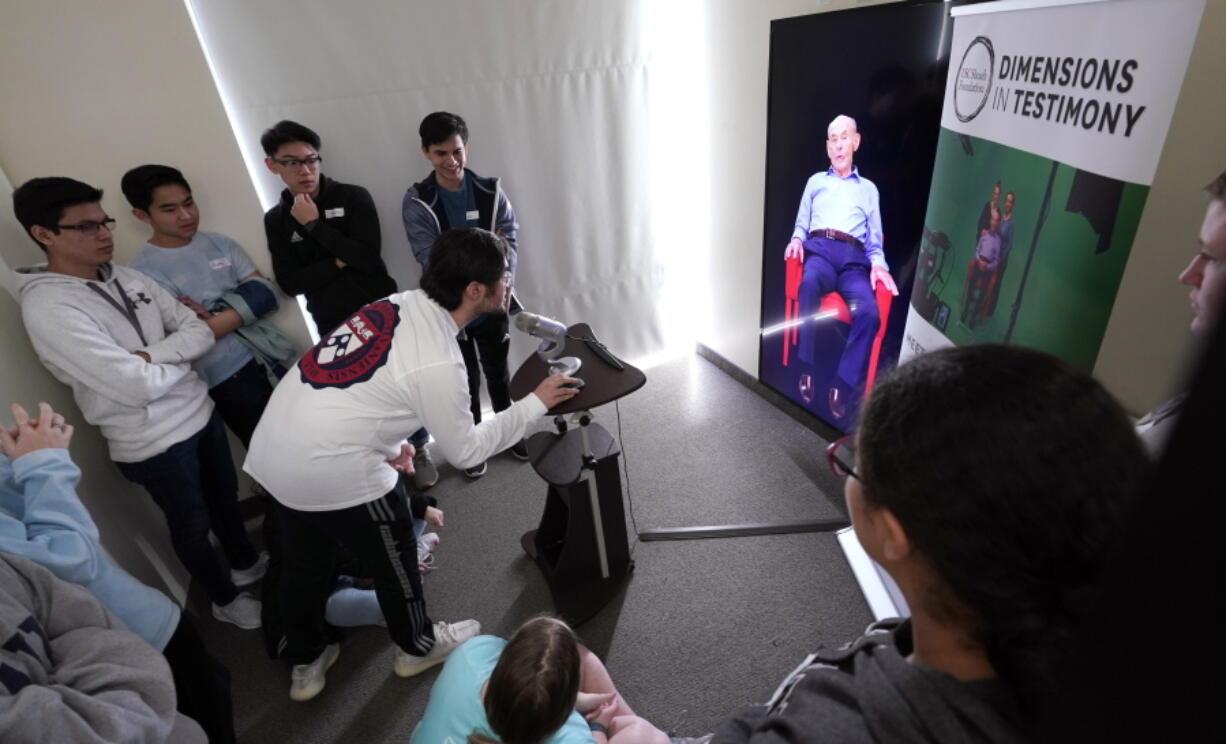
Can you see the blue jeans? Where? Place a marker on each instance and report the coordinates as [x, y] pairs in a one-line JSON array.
[[240, 399], [484, 345], [195, 486]]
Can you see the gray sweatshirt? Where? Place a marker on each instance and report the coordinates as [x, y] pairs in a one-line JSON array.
[[70, 672], [87, 342], [868, 693]]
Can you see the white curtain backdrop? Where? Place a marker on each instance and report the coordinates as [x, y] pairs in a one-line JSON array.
[[557, 95]]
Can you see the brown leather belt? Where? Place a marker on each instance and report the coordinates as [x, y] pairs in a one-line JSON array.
[[838, 235]]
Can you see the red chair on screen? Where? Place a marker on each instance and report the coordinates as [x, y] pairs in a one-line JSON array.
[[833, 306]]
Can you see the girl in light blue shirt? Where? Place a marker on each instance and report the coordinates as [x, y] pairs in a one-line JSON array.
[[540, 687]]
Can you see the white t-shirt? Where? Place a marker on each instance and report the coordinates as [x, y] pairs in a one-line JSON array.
[[344, 410]]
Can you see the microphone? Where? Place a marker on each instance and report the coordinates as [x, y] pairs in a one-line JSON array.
[[553, 340], [551, 331]]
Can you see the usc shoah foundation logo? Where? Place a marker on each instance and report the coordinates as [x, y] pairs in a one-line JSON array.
[[973, 83]]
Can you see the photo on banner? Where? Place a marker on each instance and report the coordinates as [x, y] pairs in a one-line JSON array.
[[827, 331], [1008, 233], [1053, 121]]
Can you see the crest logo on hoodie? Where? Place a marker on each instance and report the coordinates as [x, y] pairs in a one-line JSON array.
[[354, 351]]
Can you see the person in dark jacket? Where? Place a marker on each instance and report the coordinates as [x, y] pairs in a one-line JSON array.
[[993, 483], [323, 235]]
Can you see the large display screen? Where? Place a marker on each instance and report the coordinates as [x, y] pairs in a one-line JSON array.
[[853, 121]]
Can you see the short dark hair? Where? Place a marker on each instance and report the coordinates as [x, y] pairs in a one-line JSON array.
[[440, 127], [533, 687], [42, 201], [459, 256], [284, 132], [139, 183], [1013, 475], [1217, 187]]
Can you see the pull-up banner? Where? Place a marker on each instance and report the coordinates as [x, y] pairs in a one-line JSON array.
[[1054, 118]]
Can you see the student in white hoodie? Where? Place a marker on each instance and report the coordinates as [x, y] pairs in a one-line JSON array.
[[125, 346]]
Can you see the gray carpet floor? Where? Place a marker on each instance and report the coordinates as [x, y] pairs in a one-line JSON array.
[[702, 627]]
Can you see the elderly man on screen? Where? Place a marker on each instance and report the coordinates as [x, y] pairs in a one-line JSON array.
[[838, 237]]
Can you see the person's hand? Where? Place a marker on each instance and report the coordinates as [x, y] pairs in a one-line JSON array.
[[795, 249], [304, 209], [434, 516], [603, 714], [879, 275], [551, 392], [637, 729], [49, 431], [588, 702], [404, 461], [339, 263], [195, 307]]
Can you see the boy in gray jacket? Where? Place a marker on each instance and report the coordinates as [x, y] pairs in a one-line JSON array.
[[125, 346]]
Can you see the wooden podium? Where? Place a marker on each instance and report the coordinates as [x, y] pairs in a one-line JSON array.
[[580, 543]]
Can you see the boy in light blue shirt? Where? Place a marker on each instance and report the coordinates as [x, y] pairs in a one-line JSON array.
[[204, 269]]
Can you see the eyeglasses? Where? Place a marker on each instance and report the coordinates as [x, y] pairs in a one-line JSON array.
[[90, 228], [841, 454], [311, 162]]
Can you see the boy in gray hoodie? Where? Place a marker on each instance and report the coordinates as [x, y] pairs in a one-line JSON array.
[[125, 346]]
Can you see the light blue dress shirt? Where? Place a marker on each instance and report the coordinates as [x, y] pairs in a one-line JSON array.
[[849, 205]]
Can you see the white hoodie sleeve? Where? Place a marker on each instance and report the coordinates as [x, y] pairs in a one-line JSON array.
[[187, 337], [80, 350], [441, 396]]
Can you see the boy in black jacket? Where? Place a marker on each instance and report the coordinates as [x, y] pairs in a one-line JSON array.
[[323, 235]]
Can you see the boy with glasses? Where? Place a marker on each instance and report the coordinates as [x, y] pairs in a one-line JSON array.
[[323, 235], [125, 346]]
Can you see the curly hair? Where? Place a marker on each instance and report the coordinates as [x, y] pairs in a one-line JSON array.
[[1012, 474]]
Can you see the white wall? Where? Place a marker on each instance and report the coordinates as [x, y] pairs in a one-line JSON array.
[[558, 98], [91, 90], [1146, 342]]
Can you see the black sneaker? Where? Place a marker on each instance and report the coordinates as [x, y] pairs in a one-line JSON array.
[[476, 471], [520, 450]]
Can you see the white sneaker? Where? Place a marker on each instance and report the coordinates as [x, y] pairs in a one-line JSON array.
[[447, 637], [425, 546], [243, 611], [251, 574], [307, 680]]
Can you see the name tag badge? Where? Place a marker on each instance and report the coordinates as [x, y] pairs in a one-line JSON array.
[[472, 215], [295, 238], [217, 264], [337, 212]]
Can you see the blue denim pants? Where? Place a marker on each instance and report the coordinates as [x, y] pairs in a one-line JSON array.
[[195, 486]]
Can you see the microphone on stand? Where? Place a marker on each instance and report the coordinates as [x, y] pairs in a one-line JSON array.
[[553, 341]]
